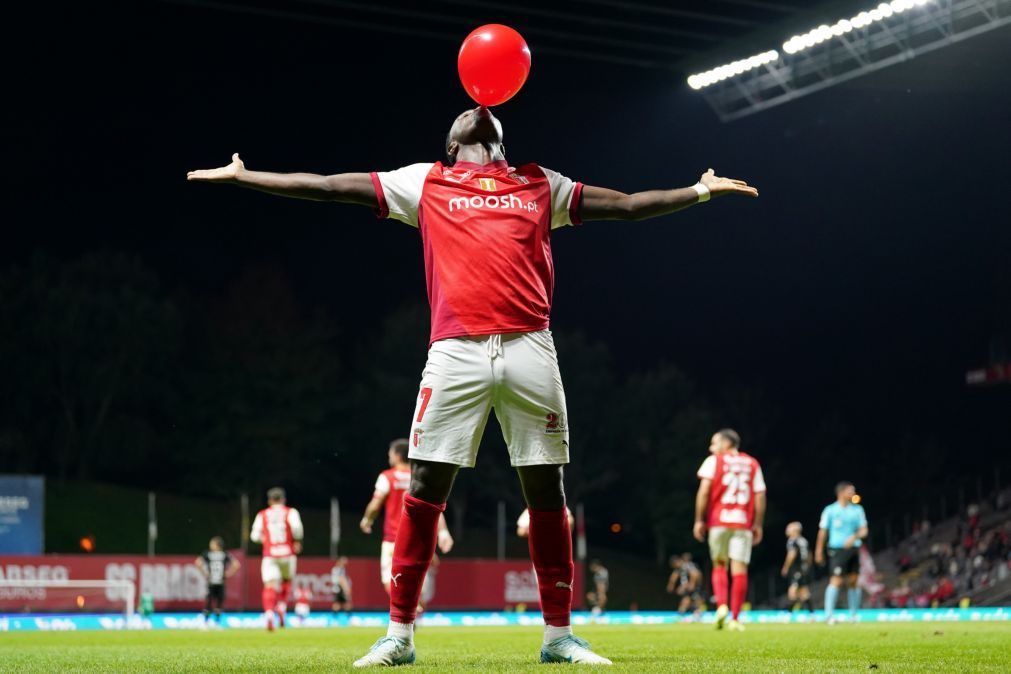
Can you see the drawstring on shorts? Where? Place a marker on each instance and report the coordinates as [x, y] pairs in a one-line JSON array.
[[494, 347]]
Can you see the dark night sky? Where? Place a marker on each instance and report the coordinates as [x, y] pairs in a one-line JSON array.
[[871, 273]]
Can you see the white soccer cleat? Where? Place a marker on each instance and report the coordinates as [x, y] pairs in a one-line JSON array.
[[388, 652], [722, 611], [735, 626], [573, 650]]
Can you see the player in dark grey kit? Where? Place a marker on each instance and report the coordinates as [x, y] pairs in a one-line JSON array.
[[217, 566], [797, 567]]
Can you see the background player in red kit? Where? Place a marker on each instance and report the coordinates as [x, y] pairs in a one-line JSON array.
[[279, 529], [730, 503], [391, 486], [486, 234]]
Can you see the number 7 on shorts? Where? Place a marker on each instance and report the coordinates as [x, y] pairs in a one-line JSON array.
[[425, 395]]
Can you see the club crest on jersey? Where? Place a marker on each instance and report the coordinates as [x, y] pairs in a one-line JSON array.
[[488, 184], [519, 178]]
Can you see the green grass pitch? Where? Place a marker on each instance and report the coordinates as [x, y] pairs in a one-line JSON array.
[[879, 648]]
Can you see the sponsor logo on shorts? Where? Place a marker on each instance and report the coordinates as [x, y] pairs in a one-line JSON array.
[[554, 423]]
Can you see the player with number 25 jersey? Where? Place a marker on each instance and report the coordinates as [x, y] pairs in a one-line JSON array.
[[731, 505]]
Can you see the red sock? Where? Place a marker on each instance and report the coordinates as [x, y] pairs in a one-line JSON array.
[[738, 592], [551, 551], [269, 596], [412, 553], [719, 578], [285, 590]]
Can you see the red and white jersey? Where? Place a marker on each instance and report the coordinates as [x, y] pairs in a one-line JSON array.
[[486, 233], [277, 528], [393, 483], [736, 478]]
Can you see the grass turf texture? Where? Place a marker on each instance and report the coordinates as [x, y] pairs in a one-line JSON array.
[[905, 647]]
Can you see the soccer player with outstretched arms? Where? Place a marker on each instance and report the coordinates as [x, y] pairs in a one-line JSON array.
[[486, 235], [730, 505]]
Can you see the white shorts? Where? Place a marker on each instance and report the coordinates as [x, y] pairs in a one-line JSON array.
[[386, 562], [277, 569], [465, 377], [728, 543]]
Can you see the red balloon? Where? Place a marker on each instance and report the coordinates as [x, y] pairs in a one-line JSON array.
[[494, 63]]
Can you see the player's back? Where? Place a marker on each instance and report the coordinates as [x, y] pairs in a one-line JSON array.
[[394, 483], [278, 537], [216, 562], [802, 560], [736, 478]]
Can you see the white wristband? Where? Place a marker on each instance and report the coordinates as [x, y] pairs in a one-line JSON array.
[[702, 191]]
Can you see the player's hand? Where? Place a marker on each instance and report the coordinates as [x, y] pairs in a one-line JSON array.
[[365, 525], [445, 542], [699, 532], [756, 535], [718, 186], [225, 174], [297, 547]]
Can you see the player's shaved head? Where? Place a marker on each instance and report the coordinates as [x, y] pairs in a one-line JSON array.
[[843, 486], [477, 126], [217, 543], [275, 495], [794, 529]]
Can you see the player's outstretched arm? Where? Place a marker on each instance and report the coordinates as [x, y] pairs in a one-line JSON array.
[[600, 203], [352, 188]]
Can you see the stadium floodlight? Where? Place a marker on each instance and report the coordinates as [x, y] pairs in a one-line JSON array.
[[721, 73], [842, 26], [831, 53], [799, 42]]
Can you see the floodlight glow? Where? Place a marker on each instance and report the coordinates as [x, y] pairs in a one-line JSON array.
[[805, 41], [720, 73], [861, 20]]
